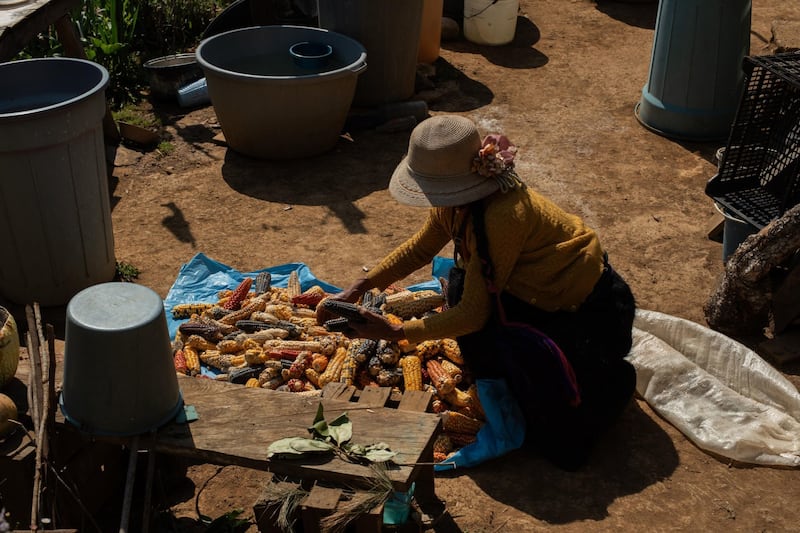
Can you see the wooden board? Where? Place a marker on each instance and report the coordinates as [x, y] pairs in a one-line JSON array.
[[236, 424], [19, 23]]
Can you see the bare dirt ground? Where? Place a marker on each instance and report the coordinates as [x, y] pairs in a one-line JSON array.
[[564, 91]]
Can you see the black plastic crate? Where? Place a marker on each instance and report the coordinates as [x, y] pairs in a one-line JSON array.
[[759, 174]]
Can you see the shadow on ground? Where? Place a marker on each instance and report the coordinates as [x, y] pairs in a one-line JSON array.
[[638, 13], [635, 454], [518, 54]]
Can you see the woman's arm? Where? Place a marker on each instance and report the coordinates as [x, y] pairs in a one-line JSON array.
[[414, 253]]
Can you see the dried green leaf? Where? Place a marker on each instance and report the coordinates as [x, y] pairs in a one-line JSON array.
[[297, 446]]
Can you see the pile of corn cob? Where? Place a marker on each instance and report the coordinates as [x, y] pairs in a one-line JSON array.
[[264, 336]]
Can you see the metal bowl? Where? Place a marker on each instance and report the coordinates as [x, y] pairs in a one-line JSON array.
[[169, 73]]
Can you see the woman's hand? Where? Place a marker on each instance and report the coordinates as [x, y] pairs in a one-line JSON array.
[[350, 295], [374, 326]]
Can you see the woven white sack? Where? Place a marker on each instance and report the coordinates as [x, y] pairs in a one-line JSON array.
[[716, 391]]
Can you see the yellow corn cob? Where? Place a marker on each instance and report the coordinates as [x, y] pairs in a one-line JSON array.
[[249, 343], [199, 343], [334, 369], [349, 369], [330, 343], [221, 361], [304, 312], [455, 422], [304, 322], [279, 311], [399, 297], [472, 390], [254, 356], [315, 330], [229, 346], [192, 360], [277, 294], [293, 285], [442, 444], [189, 309], [408, 304], [282, 344], [263, 316], [451, 350], [273, 383], [470, 412], [272, 370], [404, 345], [460, 440], [440, 379], [312, 376], [452, 369], [252, 383], [412, 372], [275, 333], [256, 304], [438, 406], [428, 349], [458, 398]]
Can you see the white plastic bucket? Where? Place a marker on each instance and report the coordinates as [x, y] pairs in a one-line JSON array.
[[492, 22]]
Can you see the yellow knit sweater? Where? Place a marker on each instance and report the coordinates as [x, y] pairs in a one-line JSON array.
[[540, 253]]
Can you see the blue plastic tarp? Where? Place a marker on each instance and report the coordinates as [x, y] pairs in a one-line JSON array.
[[201, 279]]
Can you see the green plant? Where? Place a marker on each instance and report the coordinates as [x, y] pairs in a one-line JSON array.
[[126, 272], [122, 34], [165, 148], [135, 115], [108, 32], [175, 26]]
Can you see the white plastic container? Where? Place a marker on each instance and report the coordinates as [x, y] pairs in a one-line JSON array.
[[491, 22]]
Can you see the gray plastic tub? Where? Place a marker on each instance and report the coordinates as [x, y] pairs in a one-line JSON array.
[[55, 216], [267, 105], [119, 377]]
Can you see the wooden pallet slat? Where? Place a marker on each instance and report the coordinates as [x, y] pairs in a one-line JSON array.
[[338, 391], [415, 400], [374, 396]]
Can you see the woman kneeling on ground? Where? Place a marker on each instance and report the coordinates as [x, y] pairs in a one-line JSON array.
[[523, 260]]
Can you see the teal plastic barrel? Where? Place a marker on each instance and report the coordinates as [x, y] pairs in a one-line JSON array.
[[390, 32], [695, 80], [56, 236]]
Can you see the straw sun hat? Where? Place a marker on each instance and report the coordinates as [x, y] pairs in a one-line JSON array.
[[438, 168]]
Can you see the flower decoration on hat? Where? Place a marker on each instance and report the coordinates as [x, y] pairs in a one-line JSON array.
[[495, 160]]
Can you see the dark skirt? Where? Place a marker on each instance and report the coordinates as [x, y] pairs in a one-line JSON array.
[[595, 339]]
